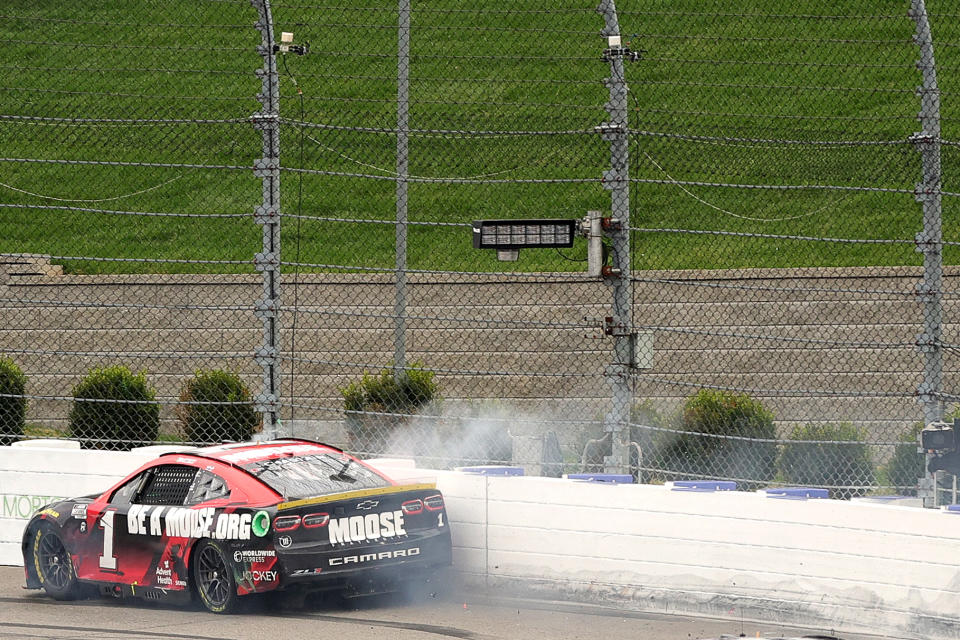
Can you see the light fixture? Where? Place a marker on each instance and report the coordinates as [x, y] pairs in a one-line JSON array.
[[509, 236]]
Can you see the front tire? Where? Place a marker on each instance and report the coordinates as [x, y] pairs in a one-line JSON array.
[[213, 578], [54, 565]]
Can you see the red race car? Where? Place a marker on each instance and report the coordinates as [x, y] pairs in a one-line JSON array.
[[222, 522]]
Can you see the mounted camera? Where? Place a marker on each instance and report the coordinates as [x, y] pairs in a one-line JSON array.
[[940, 438]]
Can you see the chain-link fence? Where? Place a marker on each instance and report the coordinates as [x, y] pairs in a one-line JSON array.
[[762, 296]]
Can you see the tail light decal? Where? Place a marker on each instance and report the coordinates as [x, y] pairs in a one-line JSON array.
[[314, 520], [412, 507], [433, 503], [286, 523]]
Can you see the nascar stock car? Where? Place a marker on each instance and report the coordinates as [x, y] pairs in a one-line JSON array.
[[222, 522]]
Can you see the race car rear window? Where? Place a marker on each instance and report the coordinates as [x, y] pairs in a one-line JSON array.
[[308, 476], [207, 486]]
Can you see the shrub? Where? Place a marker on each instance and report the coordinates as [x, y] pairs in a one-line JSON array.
[[828, 455], [721, 435], [367, 400], [217, 422], [907, 465], [13, 406], [114, 425]]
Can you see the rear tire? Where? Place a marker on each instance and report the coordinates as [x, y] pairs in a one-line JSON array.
[[53, 564], [213, 578]]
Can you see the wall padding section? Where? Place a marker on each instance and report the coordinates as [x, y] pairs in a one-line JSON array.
[[851, 566]]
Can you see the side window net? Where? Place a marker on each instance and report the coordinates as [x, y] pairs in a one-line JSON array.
[[169, 484], [207, 486]]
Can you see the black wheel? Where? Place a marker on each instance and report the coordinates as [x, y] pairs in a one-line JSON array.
[[53, 564], [213, 578]]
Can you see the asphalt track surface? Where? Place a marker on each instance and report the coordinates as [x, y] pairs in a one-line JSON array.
[[31, 615]]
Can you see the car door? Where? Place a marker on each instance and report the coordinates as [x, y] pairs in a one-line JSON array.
[[130, 528]]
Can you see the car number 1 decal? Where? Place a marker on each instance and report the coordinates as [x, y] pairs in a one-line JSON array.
[[440, 520], [108, 560]]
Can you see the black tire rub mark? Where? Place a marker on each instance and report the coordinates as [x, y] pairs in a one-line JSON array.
[[446, 632], [114, 632]]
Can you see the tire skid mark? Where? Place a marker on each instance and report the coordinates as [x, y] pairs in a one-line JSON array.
[[442, 631], [123, 633]]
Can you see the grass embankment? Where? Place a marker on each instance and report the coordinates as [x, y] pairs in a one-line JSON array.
[[732, 98]]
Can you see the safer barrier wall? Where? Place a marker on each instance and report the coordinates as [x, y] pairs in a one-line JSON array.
[[852, 566]]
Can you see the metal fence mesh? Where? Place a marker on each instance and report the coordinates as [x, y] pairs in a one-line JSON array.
[[774, 218]]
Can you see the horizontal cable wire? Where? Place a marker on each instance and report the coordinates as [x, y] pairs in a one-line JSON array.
[[765, 87], [42, 119], [776, 338], [145, 214], [121, 46], [119, 163], [452, 132], [161, 400], [770, 141], [115, 94], [783, 63], [123, 25], [76, 304], [774, 289], [133, 354], [393, 223], [740, 38], [428, 10], [513, 419], [772, 393], [780, 116], [780, 187], [729, 437], [762, 15], [520, 324], [367, 366], [139, 70], [248, 261], [769, 236], [393, 178]]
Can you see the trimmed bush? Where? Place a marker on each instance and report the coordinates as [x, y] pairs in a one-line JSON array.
[[13, 410], [366, 402], [907, 465], [832, 455], [721, 435], [217, 422], [114, 425]]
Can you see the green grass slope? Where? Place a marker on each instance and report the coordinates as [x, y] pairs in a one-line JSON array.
[[116, 112]]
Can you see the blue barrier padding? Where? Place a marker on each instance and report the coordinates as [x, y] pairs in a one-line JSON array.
[[951, 508], [493, 470], [703, 485], [797, 493], [617, 478]]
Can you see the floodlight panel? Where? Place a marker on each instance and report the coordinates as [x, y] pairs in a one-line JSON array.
[[523, 234]]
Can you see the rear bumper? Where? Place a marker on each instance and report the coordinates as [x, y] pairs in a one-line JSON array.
[[395, 561]]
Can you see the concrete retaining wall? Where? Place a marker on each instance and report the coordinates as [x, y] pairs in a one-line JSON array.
[[814, 344], [852, 566]]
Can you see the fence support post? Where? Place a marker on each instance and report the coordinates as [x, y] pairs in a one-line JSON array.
[[616, 180], [403, 151], [267, 168], [930, 240]]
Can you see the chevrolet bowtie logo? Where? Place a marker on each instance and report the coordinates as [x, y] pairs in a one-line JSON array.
[[368, 504]]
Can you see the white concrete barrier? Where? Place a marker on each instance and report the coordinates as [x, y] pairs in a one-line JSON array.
[[854, 566]]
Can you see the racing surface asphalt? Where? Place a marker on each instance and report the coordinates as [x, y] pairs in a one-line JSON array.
[[31, 615]]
